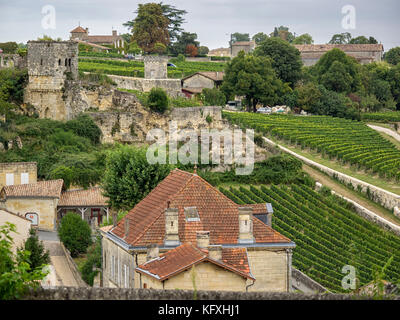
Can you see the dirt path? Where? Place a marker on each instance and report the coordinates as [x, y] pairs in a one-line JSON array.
[[391, 133], [340, 189]]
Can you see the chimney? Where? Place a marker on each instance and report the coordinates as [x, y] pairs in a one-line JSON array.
[[171, 227], [87, 30], [270, 211], [152, 252], [126, 225], [246, 225], [114, 33], [215, 252], [203, 239]]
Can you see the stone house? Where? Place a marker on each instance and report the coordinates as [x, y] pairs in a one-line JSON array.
[[114, 39], [220, 52], [15, 173], [246, 46], [363, 53], [185, 231], [22, 224], [196, 82]]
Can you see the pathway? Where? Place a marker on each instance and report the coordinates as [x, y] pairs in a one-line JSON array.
[[63, 275], [389, 132]]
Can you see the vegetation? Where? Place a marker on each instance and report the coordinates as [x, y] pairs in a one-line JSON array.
[[16, 274], [39, 257], [348, 141], [392, 116], [213, 97], [92, 262], [158, 100], [393, 56], [75, 234]]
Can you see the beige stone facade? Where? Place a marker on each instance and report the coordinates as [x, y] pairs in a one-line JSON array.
[[22, 225], [17, 173], [198, 81]]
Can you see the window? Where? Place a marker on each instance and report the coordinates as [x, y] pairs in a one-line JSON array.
[[9, 179], [41, 62], [66, 61], [59, 62], [69, 62], [24, 178]]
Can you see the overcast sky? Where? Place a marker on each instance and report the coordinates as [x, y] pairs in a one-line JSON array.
[[212, 20]]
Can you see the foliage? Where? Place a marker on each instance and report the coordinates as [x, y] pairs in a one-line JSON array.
[[39, 257], [253, 77], [285, 58], [393, 56], [183, 41], [159, 48], [48, 38], [203, 50], [191, 50], [283, 33], [341, 38], [158, 100], [213, 97], [259, 37], [93, 261], [129, 177], [133, 48], [303, 39], [109, 221], [393, 116], [348, 141], [150, 26], [363, 40], [237, 36], [9, 47], [84, 126], [12, 84], [16, 275], [75, 234]]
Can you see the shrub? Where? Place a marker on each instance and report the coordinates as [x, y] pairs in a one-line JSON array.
[[84, 126], [213, 97], [93, 261], [158, 100], [39, 256], [75, 234]]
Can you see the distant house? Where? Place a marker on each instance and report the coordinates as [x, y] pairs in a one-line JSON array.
[[246, 46], [220, 52], [22, 224], [185, 231], [15, 173], [114, 39], [363, 53], [196, 82]]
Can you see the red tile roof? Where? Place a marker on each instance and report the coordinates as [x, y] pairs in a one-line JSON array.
[[41, 189], [185, 256], [218, 214], [83, 198], [213, 75], [78, 30], [103, 39], [343, 47]]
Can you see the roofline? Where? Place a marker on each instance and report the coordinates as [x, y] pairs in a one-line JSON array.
[[15, 214], [86, 205]]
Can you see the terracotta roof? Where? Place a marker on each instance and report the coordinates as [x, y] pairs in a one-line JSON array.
[[106, 228], [87, 198], [185, 256], [78, 30], [218, 214], [213, 75], [41, 189], [93, 44], [103, 39], [343, 47]]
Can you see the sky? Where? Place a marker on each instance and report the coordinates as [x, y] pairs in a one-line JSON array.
[[212, 20]]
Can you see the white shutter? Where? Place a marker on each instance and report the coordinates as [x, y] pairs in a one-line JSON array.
[[126, 276], [9, 179], [24, 178]]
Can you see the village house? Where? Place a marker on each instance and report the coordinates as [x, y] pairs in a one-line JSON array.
[[220, 52], [363, 53], [186, 233], [14, 173], [196, 82], [114, 40], [246, 46], [22, 226]]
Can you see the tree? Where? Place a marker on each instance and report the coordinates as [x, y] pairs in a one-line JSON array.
[[75, 234], [175, 20], [285, 58], [237, 36], [150, 26], [283, 33], [159, 48], [9, 47], [16, 275], [39, 257], [183, 40], [129, 177], [133, 48], [203, 50], [48, 38], [307, 95], [259, 37], [347, 70], [303, 39], [93, 262], [84, 126], [191, 50], [363, 40], [253, 77], [341, 38], [213, 97], [158, 100], [393, 56]]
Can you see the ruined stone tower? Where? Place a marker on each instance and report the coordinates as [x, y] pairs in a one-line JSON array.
[[155, 67], [50, 64]]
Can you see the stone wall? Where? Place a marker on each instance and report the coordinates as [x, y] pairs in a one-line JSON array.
[[22, 225], [305, 284], [17, 169], [72, 293], [11, 61], [198, 81], [155, 67], [73, 267], [385, 198]]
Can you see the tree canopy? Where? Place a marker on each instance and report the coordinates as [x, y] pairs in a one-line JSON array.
[[183, 41], [303, 39], [393, 56], [259, 37]]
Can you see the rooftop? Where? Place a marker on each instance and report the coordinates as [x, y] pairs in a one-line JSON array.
[[343, 47], [80, 197], [41, 189]]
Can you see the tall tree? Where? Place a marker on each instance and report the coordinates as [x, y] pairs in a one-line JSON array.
[[253, 77], [174, 16], [237, 36], [363, 40], [303, 39], [150, 26], [259, 37], [393, 56], [341, 38], [283, 33], [183, 40], [285, 58]]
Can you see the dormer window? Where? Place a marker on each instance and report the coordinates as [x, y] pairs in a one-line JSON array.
[[191, 214]]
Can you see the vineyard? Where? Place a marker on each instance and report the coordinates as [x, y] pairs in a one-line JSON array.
[[328, 236], [393, 116], [348, 141], [136, 68]]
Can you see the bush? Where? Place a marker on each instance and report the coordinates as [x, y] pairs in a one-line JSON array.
[[94, 259], [84, 126], [158, 100], [75, 234], [213, 97], [39, 256]]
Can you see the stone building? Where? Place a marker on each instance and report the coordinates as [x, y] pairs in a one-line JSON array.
[[22, 225], [195, 83], [246, 46], [11, 61], [220, 52], [185, 231], [113, 40], [155, 67], [363, 53], [50, 64], [15, 173]]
